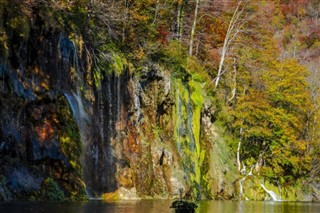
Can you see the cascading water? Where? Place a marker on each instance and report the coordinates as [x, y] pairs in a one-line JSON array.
[[272, 194], [2, 71], [77, 108], [96, 117], [118, 117], [104, 126], [123, 136], [137, 103]]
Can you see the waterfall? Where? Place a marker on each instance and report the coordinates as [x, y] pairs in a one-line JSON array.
[[273, 195], [109, 108], [77, 108], [137, 107], [118, 117], [100, 114], [82, 120], [2, 78]]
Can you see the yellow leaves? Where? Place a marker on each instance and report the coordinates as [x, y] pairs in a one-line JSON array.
[[64, 4], [178, 1], [139, 54], [118, 63], [20, 25], [44, 85], [287, 86], [78, 41], [74, 164], [273, 115], [139, 17], [141, 11], [301, 145], [302, 11], [65, 139]]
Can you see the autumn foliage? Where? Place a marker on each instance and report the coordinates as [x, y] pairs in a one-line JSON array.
[[269, 84]]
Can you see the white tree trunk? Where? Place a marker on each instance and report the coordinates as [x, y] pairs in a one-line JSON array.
[[125, 20], [238, 151], [233, 29], [193, 29], [179, 15], [234, 89]]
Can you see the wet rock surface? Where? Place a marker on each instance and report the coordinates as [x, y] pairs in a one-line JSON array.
[[68, 124]]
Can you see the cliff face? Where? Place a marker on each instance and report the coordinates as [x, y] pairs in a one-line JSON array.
[[70, 123], [64, 129], [83, 114], [40, 141]]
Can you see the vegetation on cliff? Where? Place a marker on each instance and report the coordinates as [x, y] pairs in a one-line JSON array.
[[236, 79]]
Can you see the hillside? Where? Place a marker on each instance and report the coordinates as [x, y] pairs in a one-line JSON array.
[[211, 99]]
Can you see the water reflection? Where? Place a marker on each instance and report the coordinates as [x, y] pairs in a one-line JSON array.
[[257, 207], [157, 206], [151, 206]]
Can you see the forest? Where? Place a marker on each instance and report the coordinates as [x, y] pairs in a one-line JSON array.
[[202, 99]]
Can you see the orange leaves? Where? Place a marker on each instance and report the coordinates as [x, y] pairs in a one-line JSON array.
[[141, 10], [163, 34], [139, 17], [216, 31], [44, 131], [178, 1]]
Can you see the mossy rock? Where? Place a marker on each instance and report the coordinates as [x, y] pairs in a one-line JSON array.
[[121, 194], [53, 192]]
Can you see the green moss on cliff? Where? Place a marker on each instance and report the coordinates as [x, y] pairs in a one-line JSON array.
[[53, 191], [70, 138], [187, 114], [254, 191]]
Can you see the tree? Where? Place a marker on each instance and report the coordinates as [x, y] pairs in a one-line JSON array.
[[271, 122], [194, 25], [235, 25]]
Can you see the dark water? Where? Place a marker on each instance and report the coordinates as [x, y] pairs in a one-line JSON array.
[[156, 206]]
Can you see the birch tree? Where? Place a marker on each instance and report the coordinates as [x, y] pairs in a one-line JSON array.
[[194, 25], [235, 25], [180, 17]]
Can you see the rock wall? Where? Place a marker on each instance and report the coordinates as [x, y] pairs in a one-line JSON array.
[[67, 128], [39, 143]]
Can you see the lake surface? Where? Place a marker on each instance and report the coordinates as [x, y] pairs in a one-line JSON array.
[[156, 206]]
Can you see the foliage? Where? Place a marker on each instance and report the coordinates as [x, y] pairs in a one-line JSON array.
[[175, 57], [53, 192], [266, 98], [70, 139], [108, 61], [272, 117]]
